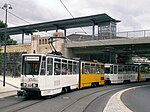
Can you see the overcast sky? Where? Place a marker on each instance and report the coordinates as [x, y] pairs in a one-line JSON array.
[[134, 14]]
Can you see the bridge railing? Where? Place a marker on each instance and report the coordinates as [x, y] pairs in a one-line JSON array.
[[108, 35], [134, 34]]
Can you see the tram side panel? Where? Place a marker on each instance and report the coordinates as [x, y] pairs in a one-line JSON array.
[[65, 76], [144, 70], [91, 74], [115, 73], [111, 74], [55, 84]]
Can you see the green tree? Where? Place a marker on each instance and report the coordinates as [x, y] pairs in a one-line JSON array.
[[2, 25], [9, 41]]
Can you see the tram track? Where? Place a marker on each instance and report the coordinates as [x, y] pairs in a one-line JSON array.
[[20, 105], [94, 95], [87, 100], [11, 104], [78, 101], [15, 103]]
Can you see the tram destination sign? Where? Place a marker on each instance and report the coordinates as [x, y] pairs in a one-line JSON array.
[[33, 58]]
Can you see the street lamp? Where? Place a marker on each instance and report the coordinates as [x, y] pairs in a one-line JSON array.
[[5, 7]]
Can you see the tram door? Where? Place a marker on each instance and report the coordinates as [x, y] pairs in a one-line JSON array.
[[42, 73], [120, 73], [116, 75], [49, 73]]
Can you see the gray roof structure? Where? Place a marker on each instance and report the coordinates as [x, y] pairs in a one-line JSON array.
[[60, 24]]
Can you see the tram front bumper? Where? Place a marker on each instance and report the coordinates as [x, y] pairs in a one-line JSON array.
[[21, 93], [29, 92]]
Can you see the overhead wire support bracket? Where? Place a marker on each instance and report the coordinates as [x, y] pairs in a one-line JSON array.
[[51, 41]]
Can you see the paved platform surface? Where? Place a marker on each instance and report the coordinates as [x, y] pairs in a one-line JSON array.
[[11, 86]]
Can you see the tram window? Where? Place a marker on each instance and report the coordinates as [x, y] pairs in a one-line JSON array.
[[115, 69], [142, 69], [31, 68], [125, 69], [134, 69], [149, 69], [102, 68], [146, 69], [83, 68], [75, 68], [57, 66], [98, 69], [64, 67], [92, 69], [129, 69], [107, 70], [43, 66], [70, 68], [87, 68], [49, 66], [120, 69]]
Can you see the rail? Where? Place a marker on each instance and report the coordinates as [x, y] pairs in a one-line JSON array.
[[134, 34], [108, 35]]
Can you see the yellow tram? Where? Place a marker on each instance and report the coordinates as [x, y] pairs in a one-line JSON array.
[[91, 74], [144, 70]]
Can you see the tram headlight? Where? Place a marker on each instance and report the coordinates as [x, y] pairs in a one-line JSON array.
[[24, 84], [34, 85]]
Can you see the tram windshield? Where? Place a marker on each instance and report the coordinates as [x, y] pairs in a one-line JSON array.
[[108, 69], [30, 65]]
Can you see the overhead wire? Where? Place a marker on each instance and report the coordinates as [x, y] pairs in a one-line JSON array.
[[71, 15], [76, 21], [17, 16]]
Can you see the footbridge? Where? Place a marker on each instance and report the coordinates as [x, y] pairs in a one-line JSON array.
[[104, 44], [125, 45]]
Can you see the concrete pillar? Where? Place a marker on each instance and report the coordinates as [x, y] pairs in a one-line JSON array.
[[68, 53], [93, 31], [23, 38]]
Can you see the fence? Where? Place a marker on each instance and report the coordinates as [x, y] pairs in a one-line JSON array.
[[118, 35], [134, 34]]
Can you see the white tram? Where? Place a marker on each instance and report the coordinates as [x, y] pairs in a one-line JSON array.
[[115, 73], [47, 74]]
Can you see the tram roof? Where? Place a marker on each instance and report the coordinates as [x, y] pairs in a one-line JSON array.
[[51, 55], [60, 24]]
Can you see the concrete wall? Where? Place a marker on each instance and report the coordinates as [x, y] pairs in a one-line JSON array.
[[40, 48]]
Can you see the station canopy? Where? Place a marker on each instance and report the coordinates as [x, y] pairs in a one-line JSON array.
[[60, 24]]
